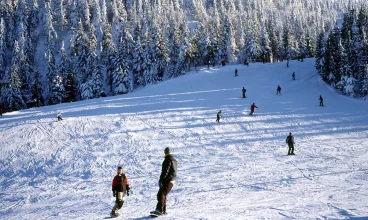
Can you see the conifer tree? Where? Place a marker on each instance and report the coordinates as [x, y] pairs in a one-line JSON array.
[[2, 49], [121, 78], [57, 91], [320, 52], [108, 55], [14, 98], [70, 89], [37, 90]]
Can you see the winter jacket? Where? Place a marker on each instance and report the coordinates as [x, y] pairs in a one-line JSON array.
[[320, 98], [290, 139], [244, 90], [169, 170], [252, 107], [120, 183]]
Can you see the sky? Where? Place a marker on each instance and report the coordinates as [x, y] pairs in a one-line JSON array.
[[235, 169]]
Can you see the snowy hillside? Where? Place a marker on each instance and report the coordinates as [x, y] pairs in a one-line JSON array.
[[235, 169]]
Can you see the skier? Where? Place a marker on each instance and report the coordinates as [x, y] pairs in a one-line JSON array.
[[59, 116], [246, 62], [244, 90], [290, 142], [320, 101], [293, 75], [236, 72], [252, 108], [278, 90], [166, 182], [120, 187], [218, 116]]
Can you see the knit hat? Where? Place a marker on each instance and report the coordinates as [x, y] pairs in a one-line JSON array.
[[167, 151], [119, 168]]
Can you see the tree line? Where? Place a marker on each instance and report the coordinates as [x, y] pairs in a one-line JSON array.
[[342, 54], [55, 51]]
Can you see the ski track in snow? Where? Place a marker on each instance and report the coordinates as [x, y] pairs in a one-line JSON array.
[[235, 169]]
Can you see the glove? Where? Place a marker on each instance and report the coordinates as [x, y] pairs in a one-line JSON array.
[[114, 193], [127, 192]]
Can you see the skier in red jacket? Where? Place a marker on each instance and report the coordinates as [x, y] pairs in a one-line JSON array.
[[120, 187], [252, 108]]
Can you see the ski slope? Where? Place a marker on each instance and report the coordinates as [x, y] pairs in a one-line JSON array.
[[235, 169]]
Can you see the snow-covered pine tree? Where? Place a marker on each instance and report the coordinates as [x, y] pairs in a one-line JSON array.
[[137, 56], [273, 34], [51, 72], [57, 91], [108, 54], [185, 55], [70, 89], [286, 43], [327, 63], [34, 21], [14, 99], [59, 12], [65, 65], [354, 51], [146, 58], [2, 49], [121, 78], [336, 53], [203, 44], [80, 52], [231, 50], [362, 25], [36, 90], [94, 69], [320, 52], [74, 17], [266, 52]]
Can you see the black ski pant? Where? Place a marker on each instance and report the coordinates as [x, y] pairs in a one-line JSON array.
[[321, 103], [218, 118], [291, 149], [243, 94], [161, 197]]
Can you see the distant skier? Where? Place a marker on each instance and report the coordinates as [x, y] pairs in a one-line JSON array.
[[236, 72], [293, 76], [290, 142], [278, 90], [166, 182], [218, 116], [320, 101], [246, 62], [244, 90], [252, 107], [59, 116], [120, 187]]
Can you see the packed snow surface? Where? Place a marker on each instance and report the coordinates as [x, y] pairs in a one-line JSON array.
[[235, 169]]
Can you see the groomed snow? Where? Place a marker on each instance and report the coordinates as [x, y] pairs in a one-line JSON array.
[[235, 169]]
